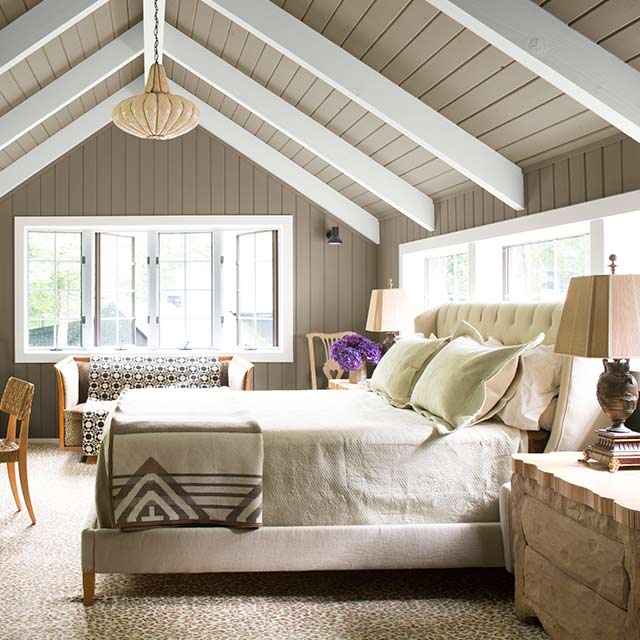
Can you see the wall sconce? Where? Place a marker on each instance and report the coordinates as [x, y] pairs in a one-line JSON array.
[[333, 237]]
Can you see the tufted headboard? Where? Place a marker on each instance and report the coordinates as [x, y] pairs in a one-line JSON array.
[[578, 412]]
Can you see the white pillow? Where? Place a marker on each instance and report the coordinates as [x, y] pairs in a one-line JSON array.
[[540, 383]]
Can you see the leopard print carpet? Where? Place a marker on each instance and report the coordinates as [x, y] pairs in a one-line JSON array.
[[40, 586]]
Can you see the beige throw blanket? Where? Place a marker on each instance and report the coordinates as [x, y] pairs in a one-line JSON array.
[[179, 469]]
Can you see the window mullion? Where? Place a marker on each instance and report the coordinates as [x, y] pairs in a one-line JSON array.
[[216, 298], [87, 285], [154, 291]]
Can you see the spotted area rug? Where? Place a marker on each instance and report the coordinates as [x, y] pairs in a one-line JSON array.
[[41, 587]]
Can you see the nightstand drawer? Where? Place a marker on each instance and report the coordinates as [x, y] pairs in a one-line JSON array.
[[583, 554], [580, 611]]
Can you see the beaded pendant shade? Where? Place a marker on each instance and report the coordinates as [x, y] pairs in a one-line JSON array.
[[156, 114]]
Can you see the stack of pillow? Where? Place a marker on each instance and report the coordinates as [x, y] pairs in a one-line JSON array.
[[461, 380]]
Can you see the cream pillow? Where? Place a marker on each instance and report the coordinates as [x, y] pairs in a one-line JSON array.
[[468, 381], [399, 369], [540, 384]]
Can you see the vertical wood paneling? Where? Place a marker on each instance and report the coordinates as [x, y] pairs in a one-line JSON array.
[[113, 173], [595, 172]]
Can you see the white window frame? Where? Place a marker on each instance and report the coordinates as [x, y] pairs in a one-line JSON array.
[[484, 244], [283, 224]]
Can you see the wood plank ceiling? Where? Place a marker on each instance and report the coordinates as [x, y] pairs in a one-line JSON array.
[[408, 41]]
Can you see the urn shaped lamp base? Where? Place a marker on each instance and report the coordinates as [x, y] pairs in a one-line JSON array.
[[617, 392]]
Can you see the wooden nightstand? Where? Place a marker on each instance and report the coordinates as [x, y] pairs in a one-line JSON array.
[[576, 546], [344, 385]]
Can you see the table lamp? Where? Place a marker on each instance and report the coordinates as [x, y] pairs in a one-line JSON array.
[[388, 312], [601, 319]]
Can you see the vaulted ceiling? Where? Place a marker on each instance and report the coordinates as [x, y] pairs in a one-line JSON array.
[[469, 82]]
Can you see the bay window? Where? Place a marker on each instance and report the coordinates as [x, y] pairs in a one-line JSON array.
[[208, 282]]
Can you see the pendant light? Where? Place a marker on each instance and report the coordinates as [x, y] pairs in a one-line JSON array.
[[156, 114]]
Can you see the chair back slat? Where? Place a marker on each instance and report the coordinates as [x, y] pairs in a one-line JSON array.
[[330, 367], [17, 398]]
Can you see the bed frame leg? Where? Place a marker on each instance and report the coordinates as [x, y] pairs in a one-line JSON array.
[[88, 587]]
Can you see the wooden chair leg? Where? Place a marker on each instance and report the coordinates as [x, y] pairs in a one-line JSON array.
[[11, 469], [88, 588], [24, 483]]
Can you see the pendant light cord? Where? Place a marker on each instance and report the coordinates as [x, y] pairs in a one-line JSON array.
[[155, 32]]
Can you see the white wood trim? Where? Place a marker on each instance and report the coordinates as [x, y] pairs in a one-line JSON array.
[[64, 140], [291, 121], [285, 169], [583, 212], [33, 29], [74, 83], [149, 24], [547, 46], [282, 223], [380, 96]]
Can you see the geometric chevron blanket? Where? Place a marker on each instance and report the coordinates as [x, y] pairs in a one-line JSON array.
[[168, 468]]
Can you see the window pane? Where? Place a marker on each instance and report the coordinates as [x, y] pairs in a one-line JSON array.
[[447, 279], [255, 295], [542, 270], [54, 281], [41, 245], [186, 289], [117, 293]]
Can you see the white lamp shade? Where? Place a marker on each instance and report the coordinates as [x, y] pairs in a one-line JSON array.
[[388, 310]]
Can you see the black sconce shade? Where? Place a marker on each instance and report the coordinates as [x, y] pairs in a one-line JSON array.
[[333, 237]]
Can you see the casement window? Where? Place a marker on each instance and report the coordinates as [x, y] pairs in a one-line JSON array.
[[222, 283], [446, 278], [54, 289], [539, 271]]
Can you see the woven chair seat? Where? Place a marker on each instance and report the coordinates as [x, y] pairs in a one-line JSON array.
[[8, 450]]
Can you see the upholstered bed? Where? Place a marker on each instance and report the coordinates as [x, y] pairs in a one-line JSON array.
[[351, 482]]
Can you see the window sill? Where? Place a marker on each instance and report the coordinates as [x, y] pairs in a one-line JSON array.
[[48, 356]]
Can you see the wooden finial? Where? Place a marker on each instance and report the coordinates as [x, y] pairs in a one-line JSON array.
[[612, 264]]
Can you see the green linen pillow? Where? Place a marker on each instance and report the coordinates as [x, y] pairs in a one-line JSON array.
[[468, 381], [399, 369]]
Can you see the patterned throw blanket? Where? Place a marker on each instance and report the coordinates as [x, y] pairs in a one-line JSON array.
[[156, 469], [110, 375]]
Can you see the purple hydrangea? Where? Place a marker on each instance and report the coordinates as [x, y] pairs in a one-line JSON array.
[[352, 350]]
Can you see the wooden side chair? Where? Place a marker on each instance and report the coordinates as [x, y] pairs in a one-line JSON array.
[[16, 402], [330, 368]]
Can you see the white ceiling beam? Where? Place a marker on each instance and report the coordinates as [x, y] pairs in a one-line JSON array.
[[33, 29], [284, 169], [557, 53], [304, 130], [64, 140], [148, 18], [71, 85], [380, 96]]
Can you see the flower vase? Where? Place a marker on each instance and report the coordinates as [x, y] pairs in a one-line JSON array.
[[357, 376]]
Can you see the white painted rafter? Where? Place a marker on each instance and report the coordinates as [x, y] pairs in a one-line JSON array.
[[291, 121], [41, 24], [64, 140], [148, 18], [285, 169], [74, 83], [380, 96], [551, 49], [220, 126]]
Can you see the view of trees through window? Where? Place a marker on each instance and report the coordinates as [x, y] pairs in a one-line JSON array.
[[156, 288], [447, 279], [542, 270], [54, 265]]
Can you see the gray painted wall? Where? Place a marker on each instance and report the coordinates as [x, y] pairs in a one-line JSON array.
[[594, 172], [115, 174]]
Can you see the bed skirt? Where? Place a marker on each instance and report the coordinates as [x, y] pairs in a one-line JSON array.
[[300, 548]]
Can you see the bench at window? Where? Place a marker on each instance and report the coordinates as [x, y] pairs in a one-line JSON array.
[[73, 377]]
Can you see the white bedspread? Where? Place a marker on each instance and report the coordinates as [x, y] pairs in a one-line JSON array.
[[345, 458]]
